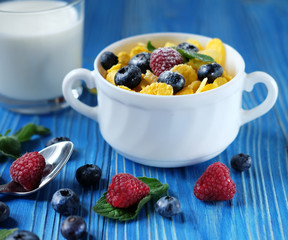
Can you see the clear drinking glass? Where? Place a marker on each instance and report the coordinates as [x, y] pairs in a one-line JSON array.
[[40, 42]]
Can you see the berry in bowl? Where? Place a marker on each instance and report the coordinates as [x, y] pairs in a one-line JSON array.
[[169, 99]]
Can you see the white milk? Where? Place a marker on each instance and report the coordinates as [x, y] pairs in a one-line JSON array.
[[37, 50]]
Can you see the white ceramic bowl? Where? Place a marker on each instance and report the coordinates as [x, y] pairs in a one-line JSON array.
[[170, 131]]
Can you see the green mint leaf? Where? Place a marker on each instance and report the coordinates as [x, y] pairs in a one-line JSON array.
[[123, 214], [6, 133], [191, 55], [10, 146], [150, 47], [26, 132], [4, 233], [157, 189]]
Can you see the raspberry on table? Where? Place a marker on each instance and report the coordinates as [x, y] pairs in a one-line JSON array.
[[163, 59], [215, 184], [126, 190], [27, 170]]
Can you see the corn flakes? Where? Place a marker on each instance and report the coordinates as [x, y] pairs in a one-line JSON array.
[[126, 88], [186, 90], [220, 81], [195, 43], [149, 85], [158, 88], [150, 77], [142, 84], [195, 85], [209, 87], [202, 85], [123, 58], [217, 45], [112, 72], [195, 63], [214, 54], [138, 49], [187, 72], [170, 44]]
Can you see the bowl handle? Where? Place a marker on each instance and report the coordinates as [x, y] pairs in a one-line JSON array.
[[267, 104], [70, 79]]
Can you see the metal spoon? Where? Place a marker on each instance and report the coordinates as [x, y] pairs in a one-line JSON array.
[[56, 156]]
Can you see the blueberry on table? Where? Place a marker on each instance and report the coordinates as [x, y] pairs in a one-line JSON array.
[[168, 206], [129, 76], [65, 201], [73, 228], [142, 61], [187, 47], [175, 79], [88, 174], [22, 235], [210, 71], [4, 211], [108, 59], [241, 162], [57, 140]]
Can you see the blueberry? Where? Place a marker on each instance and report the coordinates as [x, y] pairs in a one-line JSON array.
[[241, 162], [22, 235], [65, 201], [168, 206], [176, 80], [129, 76], [56, 140], [88, 174], [211, 71], [4, 211], [108, 59], [73, 227], [142, 61], [188, 47]]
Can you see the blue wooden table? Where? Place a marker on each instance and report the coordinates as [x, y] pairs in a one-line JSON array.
[[258, 29]]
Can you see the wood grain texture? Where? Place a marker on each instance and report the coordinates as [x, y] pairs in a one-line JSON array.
[[258, 29]]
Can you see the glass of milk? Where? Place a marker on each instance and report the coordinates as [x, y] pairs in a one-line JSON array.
[[40, 42]]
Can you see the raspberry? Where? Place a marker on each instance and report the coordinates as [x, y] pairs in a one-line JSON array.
[[28, 169], [163, 59], [215, 184], [126, 190]]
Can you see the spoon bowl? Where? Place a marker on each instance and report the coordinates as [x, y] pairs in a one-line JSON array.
[[56, 156]]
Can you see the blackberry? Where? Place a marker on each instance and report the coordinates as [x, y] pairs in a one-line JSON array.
[[108, 59], [241, 162], [211, 71], [168, 206], [129, 76], [4, 211], [57, 140], [187, 47], [22, 235], [88, 174], [65, 201], [142, 61], [175, 79], [73, 228]]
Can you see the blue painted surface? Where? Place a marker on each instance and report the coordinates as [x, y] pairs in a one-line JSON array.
[[259, 210]]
